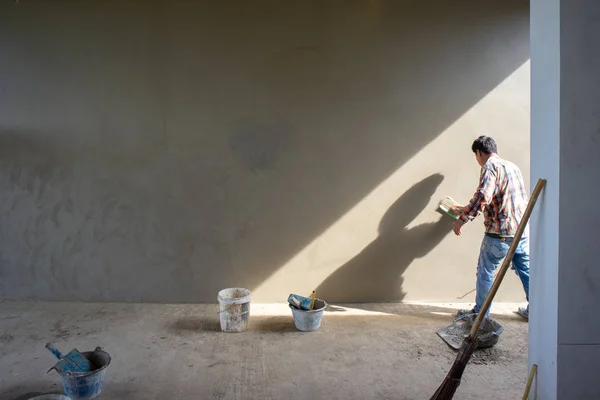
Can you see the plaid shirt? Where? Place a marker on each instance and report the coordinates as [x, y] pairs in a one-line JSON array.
[[502, 197]]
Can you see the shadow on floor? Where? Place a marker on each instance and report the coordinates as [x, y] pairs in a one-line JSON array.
[[334, 312], [271, 324], [331, 308], [417, 310], [208, 324], [257, 324]]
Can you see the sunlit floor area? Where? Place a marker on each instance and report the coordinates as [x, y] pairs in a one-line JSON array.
[[366, 351]]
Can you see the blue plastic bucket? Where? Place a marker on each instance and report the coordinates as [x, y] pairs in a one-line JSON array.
[[87, 385], [309, 320]]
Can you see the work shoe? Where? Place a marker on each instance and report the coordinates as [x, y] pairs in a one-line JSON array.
[[524, 312], [462, 313]]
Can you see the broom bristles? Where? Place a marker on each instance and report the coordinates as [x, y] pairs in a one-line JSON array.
[[452, 381]]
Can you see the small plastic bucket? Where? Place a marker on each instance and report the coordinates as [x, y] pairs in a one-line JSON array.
[[234, 309], [87, 385], [309, 320]]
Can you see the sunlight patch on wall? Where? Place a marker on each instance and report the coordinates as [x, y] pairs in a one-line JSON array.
[[441, 270]]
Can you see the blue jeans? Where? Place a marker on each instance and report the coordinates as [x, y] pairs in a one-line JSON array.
[[492, 253]]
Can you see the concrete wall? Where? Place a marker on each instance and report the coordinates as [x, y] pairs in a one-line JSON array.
[[163, 150]]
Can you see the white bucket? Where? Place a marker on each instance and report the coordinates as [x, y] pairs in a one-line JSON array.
[[234, 309]]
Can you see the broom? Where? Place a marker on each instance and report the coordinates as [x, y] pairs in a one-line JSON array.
[[448, 387]]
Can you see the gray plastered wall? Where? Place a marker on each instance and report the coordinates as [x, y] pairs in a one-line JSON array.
[[161, 151]]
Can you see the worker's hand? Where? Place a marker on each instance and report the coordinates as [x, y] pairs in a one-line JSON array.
[[457, 227]]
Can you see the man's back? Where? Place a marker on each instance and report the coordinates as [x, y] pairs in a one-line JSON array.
[[504, 210]]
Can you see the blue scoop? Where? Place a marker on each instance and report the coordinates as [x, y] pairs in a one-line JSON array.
[[74, 361], [301, 302]]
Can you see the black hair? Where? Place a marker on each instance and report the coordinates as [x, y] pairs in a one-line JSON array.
[[484, 144]]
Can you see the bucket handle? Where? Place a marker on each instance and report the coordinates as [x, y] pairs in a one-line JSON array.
[[228, 307]]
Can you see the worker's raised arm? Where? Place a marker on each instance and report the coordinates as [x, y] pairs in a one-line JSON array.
[[483, 195]]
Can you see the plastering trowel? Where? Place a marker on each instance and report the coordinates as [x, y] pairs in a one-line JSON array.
[[445, 207]]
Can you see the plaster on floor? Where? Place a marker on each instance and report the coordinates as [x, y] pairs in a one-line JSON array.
[[372, 351]]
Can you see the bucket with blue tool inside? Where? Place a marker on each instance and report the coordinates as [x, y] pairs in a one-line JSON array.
[[82, 374], [307, 312]]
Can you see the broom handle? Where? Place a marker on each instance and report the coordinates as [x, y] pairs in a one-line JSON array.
[[529, 381], [507, 260]]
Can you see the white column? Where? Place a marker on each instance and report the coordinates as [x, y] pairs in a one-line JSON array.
[[564, 326]]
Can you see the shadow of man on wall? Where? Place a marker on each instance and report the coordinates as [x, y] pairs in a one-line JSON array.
[[375, 274]]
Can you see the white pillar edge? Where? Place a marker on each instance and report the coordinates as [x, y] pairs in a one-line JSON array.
[[545, 163]]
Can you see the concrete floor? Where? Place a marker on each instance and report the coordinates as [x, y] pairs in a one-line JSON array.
[[177, 352]]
